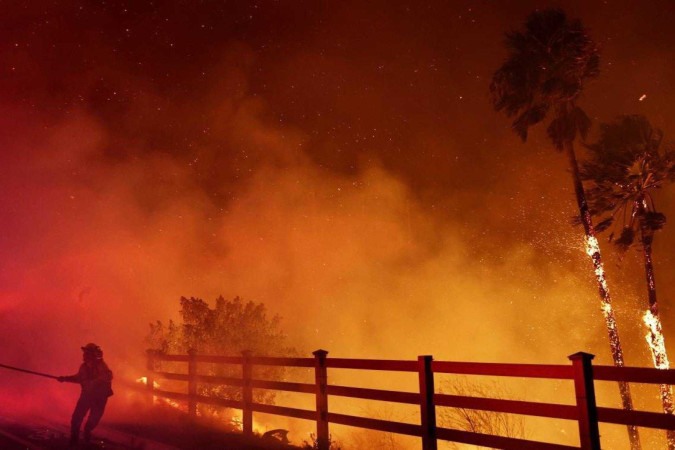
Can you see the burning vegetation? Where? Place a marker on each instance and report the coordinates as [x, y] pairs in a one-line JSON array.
[[548, 65], [340, 164], [230, 328], [626, 166]]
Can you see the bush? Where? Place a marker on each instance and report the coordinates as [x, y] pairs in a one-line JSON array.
[[231, 327]]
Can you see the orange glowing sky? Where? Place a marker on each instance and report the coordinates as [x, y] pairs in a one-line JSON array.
[[338, 161]]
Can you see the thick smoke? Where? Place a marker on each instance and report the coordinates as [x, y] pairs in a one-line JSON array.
[[338, 184]]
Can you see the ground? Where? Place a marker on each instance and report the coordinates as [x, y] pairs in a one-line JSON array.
[[170, 433]]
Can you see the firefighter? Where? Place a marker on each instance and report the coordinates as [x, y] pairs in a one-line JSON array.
[[95, 378]]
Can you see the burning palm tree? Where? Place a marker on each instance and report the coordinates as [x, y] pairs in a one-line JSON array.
[[544, 74], [625, 167]]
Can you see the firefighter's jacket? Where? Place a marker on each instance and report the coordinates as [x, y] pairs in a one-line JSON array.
[[96, 380]]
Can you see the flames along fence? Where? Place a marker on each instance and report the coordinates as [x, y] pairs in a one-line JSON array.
[[582, 372]]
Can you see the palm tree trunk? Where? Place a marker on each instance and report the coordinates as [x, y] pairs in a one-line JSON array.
[[593, 250], [653, 321]]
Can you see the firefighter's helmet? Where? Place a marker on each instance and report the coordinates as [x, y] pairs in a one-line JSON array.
[[93, 351]]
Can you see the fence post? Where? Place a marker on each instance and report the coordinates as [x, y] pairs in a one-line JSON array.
[[427, 406], [192, 382], [321, 382], [149, 378], [247, 394], [589, 434]]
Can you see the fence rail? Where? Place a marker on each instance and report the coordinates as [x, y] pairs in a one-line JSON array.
[[585, 412]]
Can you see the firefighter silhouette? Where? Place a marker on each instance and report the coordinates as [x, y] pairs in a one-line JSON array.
[[95, 378]]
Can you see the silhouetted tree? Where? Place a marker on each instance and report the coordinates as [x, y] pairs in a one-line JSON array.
[[626, 165], [548, 64], [231, 327]]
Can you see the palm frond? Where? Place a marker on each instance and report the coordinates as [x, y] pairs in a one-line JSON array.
[[654, 220], [529, 117], [626, 239], [567, 125], [604, 224], [624, 166], [581, 121], [549, 61]]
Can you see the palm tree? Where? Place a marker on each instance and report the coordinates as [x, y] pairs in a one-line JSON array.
[[544, 74], [625, 167]]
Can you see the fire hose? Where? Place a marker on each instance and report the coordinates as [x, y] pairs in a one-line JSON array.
[[32, 372]]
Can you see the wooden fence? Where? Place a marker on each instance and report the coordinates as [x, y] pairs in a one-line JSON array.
[[585, 412]]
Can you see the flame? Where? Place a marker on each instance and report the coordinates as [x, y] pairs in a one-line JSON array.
[[167, 401], [593, 250], [657, 345], [655, 340], [144, 380], [237, 421]]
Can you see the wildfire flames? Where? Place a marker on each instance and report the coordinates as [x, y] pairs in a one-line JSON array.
[[657, 345], [144, 380], [164, 400], [234, 418], [656, 341], [339, 162], [592, 250]]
